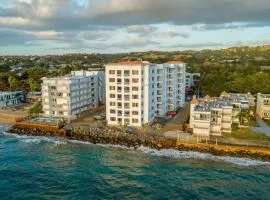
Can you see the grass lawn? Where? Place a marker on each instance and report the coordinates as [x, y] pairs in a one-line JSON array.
[[247, 134]]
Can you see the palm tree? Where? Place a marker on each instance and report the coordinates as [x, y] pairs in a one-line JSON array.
[[244, 115]]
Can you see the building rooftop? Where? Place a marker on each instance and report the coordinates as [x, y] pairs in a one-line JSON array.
[[131, 63], [206, 106], [175, 62], [265, 95]]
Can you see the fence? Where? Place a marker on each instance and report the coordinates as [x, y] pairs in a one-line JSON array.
[[186, 137]]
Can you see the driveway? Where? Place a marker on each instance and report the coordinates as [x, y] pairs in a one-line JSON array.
[[264, 127], [181, 114]]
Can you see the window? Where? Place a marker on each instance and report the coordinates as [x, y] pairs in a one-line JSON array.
[[113, 119], [126, 81], [119, 72], [112, 80], [135, 113], [119, 112], [112, 87], [119, 80], [112, 111], [112, 104], [135, 72], [135, 105], [61, 112], [119, 105], [126, 105], [126, 73], [112, 72], [135, 96], [119, 97], [135, 89], [112, 95], [119, 89], [135, 80], [135, 121]]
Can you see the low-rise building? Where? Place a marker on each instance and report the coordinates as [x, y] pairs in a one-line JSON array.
[[70, 95], [210, 117], [139, 91], [11, 98], [263, 105], [214, 116]]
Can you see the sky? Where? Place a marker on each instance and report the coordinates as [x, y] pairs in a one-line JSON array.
[[39, 27]]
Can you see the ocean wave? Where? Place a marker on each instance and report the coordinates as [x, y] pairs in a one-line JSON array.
[[246, 162], [171, 153], [36, 139]]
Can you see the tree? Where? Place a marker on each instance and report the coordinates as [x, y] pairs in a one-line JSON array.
[[244, 116], [13, 82], [37, 109], [32, 84]]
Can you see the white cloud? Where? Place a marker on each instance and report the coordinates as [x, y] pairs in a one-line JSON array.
[[16, 21], [45, 34]]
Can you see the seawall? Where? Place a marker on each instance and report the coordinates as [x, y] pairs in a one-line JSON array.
[[115, 136]]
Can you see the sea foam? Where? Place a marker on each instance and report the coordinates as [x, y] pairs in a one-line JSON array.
[[246, 162], [171, 153]]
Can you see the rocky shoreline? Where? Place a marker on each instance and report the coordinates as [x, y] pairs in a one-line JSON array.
[[125, 137]]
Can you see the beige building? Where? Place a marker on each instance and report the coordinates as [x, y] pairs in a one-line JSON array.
[[70, 95], [139, 91], [214, 116], [263, 105]]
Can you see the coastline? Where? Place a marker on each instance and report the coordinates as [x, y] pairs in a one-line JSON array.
[[9, 117], [112, 136]]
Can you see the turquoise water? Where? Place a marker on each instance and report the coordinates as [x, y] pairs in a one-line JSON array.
[[47, 168]]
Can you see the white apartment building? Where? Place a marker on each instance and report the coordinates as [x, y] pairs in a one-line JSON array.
[[70, 95], [213, 116], [138, 91], [192, 79], [210, 117], [263, 105]]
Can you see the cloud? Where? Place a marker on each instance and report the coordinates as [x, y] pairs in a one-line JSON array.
[[141, 30], [50, 35], [16, 21], [232, 25], [13, 37]]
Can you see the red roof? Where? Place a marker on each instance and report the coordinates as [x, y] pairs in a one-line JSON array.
[[131, 63], [175, 62]]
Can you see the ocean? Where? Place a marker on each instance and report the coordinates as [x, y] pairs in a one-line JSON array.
[[51, 168]]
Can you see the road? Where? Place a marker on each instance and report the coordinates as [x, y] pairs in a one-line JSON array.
[[178, 119]]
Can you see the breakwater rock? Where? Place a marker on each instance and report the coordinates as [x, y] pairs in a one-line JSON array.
[[129, 138]]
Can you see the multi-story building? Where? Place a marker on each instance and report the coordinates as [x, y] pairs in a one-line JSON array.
[[210, 117], [138, 91], [11, 98], [263, 105], [213, 116], [192, 79], [70, 95], [241, 102]]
